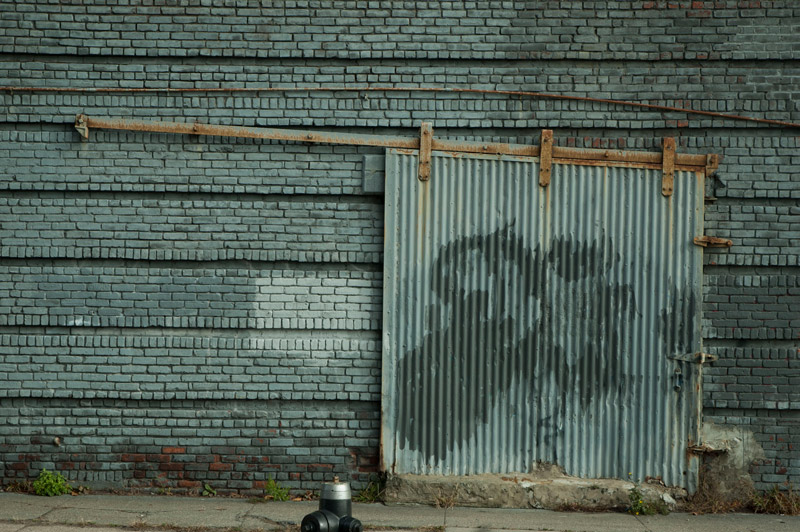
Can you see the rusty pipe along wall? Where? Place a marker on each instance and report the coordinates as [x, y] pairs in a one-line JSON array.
[[525, 94]]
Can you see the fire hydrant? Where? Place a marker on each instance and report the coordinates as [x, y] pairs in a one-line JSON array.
[[335, 507]]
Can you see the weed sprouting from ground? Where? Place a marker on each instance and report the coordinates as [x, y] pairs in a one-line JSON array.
[[777, 501], [20, 486], [446, 500], [374, 491], [51, 484], [274, 491], [641, 505], [709, 498]]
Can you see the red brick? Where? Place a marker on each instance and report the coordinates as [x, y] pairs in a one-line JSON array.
[[173, 450]]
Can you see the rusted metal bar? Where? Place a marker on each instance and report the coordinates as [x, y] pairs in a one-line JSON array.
[[683, 161], [712, 242], [425, 149], [545, 157], [687, 162], [527, 94], [323, 137], [490, 148], [668, 160]]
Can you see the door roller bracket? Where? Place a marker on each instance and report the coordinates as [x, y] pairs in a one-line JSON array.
[[668, 163], [545, 157], [425, 149], [712, 164]]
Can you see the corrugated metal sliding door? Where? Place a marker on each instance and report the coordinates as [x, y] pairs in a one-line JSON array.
[[526, 324]]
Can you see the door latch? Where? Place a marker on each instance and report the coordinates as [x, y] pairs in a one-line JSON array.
[[712, 242], [699, 357]]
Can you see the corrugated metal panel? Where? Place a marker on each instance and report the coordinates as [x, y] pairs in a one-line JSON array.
[[526, 324]]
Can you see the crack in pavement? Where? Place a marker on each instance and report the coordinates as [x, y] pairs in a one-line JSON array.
[[646, 529], [267, 520], [140, 515], [48, 512], [258, 517]]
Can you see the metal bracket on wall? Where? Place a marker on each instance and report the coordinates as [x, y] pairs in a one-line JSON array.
[[425, 148], [706, 448], [700, 357], [545, 157], [712, 163], [668, 161], [712, 242], [82, 125]]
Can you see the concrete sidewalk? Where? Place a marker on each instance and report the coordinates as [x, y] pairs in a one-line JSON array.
[[28, 513]]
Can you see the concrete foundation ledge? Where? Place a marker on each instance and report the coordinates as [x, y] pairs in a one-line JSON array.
[[522, 490]]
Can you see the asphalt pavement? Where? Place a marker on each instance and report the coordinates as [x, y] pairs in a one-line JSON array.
[[109, 513]]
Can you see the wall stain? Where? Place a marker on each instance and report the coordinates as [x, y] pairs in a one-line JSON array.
[[482, 337], [679, 337]]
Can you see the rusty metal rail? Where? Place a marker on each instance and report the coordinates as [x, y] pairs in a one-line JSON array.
[[683, 161]]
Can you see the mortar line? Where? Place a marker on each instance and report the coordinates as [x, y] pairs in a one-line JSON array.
[[182, 332], [200, 264], [254, 406], [745, 343], [378, 61], [726, 201], [208, 197], [742, 269]]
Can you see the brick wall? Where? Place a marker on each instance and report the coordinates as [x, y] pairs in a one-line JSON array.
[[183, 310], [183, 444]]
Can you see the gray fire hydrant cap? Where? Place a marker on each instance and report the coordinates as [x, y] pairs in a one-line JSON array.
[[335, 491]]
